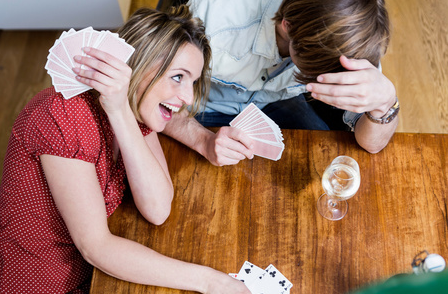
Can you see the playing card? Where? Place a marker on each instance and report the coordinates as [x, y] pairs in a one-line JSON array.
[[268, 150], [241, 117], [272, 281], [94, 35], [254, 121], [233, 275], [249, 272], [58, 69], [268, 138], [58, 54], [73, 46], [60, 60], [86, 35], [259, 281], [72, 92], [115, 46]]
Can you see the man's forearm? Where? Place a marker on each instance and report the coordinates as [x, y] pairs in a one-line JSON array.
[[374, 137], [188, 131]]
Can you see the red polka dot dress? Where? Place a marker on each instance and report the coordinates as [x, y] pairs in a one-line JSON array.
[[37, 254]]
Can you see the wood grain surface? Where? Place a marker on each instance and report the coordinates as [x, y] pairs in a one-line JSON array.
[[265, 212], [416, 62]]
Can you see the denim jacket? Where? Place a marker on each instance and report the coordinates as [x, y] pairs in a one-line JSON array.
[[246, 64]]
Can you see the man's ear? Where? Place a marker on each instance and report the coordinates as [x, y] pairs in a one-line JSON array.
[[285, 25]]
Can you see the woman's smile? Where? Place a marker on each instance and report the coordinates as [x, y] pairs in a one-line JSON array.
[[173, 89]]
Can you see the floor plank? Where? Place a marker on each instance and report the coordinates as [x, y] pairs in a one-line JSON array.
[[417, 62]]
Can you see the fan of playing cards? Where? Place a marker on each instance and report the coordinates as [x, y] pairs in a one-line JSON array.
[[265, 132], [259, 281], [60, 59]]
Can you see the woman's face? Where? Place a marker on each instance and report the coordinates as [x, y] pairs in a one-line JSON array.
[[173, 89]]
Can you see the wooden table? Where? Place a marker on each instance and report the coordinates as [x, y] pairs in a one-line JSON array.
[[265, 212]]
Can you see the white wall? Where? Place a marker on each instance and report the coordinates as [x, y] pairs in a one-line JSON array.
[[60, 14]]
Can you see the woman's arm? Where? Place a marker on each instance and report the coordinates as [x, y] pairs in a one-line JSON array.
[[148, 177], [146, 167], [77, 194]]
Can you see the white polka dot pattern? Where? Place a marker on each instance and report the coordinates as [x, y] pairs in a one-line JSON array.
[[37, 253]]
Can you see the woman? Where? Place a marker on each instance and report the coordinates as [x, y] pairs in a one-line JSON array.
[[67, 159]]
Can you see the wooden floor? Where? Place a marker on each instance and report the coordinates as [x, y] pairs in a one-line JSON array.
[[417, 63]]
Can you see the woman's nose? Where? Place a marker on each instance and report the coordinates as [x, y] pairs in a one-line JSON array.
[[188, 95]]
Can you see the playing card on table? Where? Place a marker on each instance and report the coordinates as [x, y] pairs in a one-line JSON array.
[[272, 281], [249, 273], [265, 132], [60, 60], [259, 281]]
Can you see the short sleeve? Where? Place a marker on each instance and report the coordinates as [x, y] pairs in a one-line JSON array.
[[66, 128], [145, 130]]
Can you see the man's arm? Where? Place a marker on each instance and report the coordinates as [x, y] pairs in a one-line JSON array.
[[374, 137], [363, 88], [227, 146]]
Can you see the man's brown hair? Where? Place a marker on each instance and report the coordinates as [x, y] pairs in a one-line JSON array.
[[322, 30]]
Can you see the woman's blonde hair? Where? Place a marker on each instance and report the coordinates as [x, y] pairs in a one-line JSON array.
[[323, 30], [156, 37]]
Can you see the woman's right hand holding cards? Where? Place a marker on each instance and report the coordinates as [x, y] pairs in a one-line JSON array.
[[106, 74]]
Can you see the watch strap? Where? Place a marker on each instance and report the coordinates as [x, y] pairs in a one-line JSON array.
[[390, 115]]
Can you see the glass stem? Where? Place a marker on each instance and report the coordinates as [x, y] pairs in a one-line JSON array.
[[332, 203]]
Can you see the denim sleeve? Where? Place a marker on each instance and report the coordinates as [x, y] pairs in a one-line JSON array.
[[350, 119]]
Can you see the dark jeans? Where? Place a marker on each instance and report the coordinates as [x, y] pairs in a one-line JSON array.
[[294, 113]]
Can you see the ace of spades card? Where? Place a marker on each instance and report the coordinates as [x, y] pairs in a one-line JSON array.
[[259, 281]]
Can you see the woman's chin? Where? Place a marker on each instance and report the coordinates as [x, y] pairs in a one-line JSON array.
[[159, 127], [156, 124]]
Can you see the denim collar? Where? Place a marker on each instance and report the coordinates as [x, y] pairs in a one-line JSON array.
[[265, 42]]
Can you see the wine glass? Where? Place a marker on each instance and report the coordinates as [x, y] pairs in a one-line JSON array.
[[341, 180]]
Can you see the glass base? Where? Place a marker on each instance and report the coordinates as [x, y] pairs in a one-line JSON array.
[[331, 208]]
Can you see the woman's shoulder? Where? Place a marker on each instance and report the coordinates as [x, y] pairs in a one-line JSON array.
[[49, 98], [51, 124], [49, 105], [49, 110]]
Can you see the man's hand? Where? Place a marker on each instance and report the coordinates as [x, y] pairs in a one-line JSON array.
[[360, 89]]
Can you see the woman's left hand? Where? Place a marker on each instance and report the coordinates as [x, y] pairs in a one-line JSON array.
[[106, 74], [360, 89]]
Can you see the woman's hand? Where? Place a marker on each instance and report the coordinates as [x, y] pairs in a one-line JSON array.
[[106, 74], [224, 284], [360, 89]]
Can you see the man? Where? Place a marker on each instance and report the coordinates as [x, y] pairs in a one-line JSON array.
[[273, 52]]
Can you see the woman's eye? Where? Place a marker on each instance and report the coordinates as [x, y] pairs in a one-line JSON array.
[[177, 78]]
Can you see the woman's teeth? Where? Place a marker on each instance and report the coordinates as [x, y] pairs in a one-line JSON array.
[[172, 107]]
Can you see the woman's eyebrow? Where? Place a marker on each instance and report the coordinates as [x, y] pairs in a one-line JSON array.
[[183, 69]]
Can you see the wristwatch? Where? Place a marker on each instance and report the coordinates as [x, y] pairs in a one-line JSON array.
[[388, 117]]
